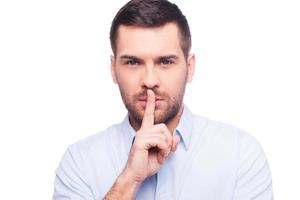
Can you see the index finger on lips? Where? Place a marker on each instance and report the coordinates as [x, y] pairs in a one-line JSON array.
[[148, 119]]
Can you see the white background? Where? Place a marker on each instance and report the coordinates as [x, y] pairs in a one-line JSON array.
[[55, 84]]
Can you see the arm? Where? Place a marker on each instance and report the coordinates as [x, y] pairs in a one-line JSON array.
[[70, 182], [254, 178], [151, 147], [124, 188]]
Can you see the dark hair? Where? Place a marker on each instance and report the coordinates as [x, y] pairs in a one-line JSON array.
[[151, 13]]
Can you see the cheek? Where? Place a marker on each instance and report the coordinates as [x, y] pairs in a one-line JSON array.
[[175, 82], [128, 83]]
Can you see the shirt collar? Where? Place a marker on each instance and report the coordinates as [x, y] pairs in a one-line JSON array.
[[185, 126], [128, 133], [183, 129]]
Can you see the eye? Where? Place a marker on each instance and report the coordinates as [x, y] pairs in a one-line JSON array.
[[132, 62], [166, 62]]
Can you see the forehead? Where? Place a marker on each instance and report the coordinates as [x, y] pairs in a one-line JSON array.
[[143, 42]]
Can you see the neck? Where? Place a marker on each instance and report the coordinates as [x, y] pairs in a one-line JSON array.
[[172, 124]]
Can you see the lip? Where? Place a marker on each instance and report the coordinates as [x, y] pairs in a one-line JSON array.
[[158, 102], [145, 99]]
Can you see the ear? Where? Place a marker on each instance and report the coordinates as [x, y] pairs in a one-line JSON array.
[[191, 67], [113, 68]]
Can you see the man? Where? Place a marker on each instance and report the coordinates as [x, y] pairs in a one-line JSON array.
[[161, 150]]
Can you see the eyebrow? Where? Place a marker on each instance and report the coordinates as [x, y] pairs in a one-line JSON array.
[[129, 57], [159, 58], [168, 57]]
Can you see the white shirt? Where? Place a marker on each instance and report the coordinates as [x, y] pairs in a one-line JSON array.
[[213, 161]]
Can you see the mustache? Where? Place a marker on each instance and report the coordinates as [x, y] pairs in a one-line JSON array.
[[157, 93]]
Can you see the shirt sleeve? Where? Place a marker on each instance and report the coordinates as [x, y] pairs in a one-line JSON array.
[[69, 183], [253, 177]]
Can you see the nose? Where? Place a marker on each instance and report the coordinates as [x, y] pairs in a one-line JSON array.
[[150, 79]]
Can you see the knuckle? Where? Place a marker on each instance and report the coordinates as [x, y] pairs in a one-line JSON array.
[[164, 141], [162, 137], [163, 126], [165, 146]]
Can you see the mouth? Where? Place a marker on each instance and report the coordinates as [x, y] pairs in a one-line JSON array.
[[145, 99], [158, 102]]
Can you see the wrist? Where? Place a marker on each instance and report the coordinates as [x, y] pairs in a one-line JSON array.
[[124, 188], [127, 178]]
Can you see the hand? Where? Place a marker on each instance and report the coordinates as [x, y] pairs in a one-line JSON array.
[[151, 146]]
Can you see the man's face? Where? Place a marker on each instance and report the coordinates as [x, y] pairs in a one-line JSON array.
[[151, 58]]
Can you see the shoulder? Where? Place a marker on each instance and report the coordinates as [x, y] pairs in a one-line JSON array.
[[95, 143], [237, 151], [222, 131], [86, 165], [223, 138], [91, 152]]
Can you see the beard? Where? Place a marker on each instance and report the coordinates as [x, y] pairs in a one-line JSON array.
[[164, 114]]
